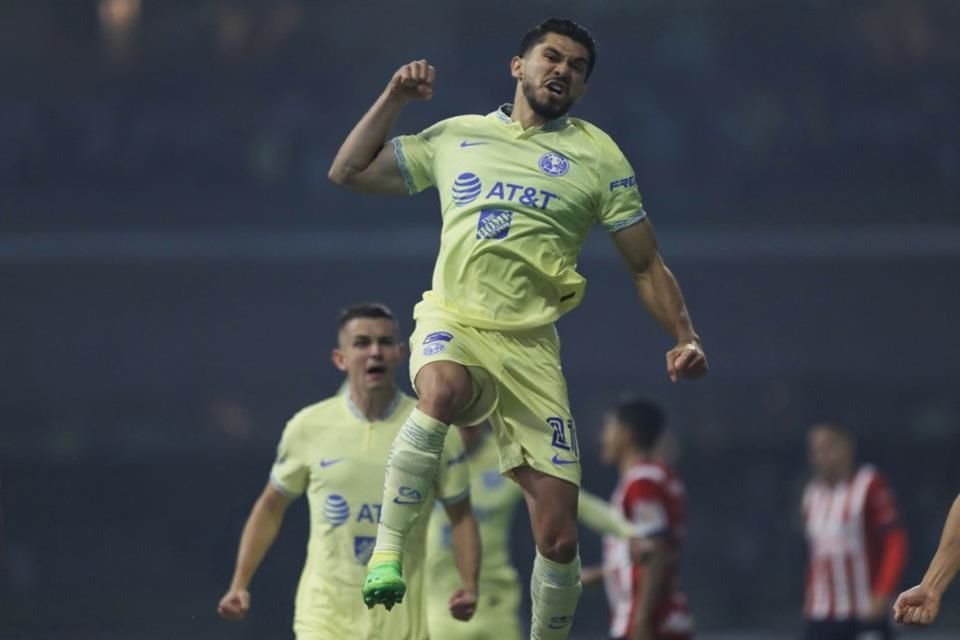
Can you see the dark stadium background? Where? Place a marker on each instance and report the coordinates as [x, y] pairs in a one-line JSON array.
[[172, 258]]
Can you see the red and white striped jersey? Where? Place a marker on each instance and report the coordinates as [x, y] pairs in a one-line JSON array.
[[856, 545], [652, 497]]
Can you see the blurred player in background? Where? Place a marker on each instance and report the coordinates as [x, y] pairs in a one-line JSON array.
[[856, 545], [495, 501], [519, 189], [335, 452], [642, 577], [921, 604]]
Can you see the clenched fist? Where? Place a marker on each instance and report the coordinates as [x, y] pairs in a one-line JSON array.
[[413, 81]]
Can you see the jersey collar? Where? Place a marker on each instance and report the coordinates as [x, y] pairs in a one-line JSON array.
[[505, 110], [356, 413]]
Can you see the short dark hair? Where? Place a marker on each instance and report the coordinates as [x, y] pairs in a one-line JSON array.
[[364, 310], [563, 27], [643, 418]]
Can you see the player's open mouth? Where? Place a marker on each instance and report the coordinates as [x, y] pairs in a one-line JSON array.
[[377, 369], [556, 87]]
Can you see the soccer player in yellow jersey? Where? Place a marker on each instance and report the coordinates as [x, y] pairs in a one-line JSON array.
[[519, 190], [335, 451], [495, 501]]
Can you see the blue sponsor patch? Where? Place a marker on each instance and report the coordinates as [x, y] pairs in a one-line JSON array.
[[466, 188], [336, 509], [434, 348], [623, 183], [437, 335], [363, 548], [494, 224], [553, 164]]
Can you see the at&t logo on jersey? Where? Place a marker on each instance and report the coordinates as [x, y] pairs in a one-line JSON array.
[[494, 224], [469, 187], [553, 164], [466, 188], [336, 510]]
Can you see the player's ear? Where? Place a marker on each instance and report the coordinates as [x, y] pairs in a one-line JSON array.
[[338, 359], [516, 67]]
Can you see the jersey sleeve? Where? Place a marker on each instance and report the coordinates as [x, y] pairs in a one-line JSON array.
[[415, 156], [881, 506], [289, 475], [644, 504], [620, 204], [453, 481]]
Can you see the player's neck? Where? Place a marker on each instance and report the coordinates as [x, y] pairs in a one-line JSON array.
[[523, 113], [373, 403], [844, 475], [633, 458]]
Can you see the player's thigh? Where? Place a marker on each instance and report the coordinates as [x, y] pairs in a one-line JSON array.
[[446, 344]]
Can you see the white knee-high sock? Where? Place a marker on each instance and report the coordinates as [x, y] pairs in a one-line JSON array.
[[411, 470], [554, 591]]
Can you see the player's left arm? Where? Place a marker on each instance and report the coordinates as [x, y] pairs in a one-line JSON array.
[[660, 294], [465, 539], [883, 522]]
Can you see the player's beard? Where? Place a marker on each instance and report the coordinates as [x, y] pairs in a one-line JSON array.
[[542, 108]]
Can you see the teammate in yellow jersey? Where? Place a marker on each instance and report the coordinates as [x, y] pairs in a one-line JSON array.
[[519, 190], [495, 501], [335, 451]]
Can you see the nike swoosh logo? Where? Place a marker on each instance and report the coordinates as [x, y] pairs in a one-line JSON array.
[[326, 463], [467, 143], [558, 460]]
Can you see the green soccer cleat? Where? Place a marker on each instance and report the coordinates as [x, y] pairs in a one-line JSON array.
[[383, 585]]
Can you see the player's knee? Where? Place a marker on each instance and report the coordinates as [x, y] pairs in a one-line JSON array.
[[444, 390], [559, 545]]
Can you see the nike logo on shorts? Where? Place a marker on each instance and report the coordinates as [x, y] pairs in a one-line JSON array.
[[467, 143], [558, 460], [326, 463]]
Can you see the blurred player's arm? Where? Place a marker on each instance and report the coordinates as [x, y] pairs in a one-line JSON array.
[[661, 296], [465, 539], [597, 514], [258, 535], [366, 161], [921, 604]]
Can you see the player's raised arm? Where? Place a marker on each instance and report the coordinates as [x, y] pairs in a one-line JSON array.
[[660, 293], [258, 535], [366, 161]]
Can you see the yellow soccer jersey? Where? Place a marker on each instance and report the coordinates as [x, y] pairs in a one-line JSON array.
[[517, 205], [331, 452]]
